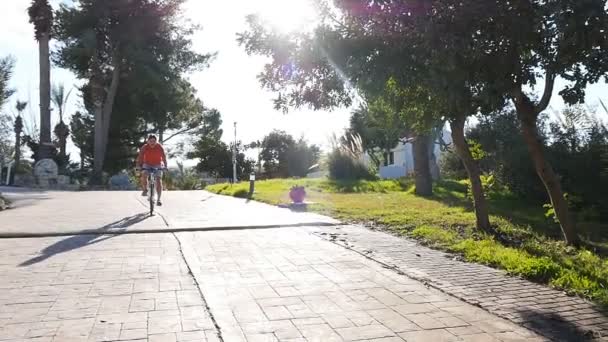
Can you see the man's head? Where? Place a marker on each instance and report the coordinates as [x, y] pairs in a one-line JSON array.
[[152, 139]]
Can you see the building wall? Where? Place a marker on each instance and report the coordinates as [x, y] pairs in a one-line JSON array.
[[404, 159]]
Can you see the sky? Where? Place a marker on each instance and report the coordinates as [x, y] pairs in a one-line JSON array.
[[229, 84]]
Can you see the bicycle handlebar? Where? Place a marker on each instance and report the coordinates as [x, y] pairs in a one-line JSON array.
[[151, 168]]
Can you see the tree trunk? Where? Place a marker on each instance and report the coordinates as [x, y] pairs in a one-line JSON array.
[[97, 95], [422, 171], [62, 146], [109, 103], [161, 135], [527, 117], [103, 113], [81, 159], [462, 149], [45, 97], [434, 168], [17, 153]]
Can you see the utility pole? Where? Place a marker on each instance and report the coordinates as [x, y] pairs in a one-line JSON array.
[[234, 180]]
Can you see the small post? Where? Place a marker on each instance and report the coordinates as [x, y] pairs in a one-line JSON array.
[[234, 180], [251, 184]]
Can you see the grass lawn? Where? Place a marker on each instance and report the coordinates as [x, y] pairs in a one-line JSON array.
[[524, 243]]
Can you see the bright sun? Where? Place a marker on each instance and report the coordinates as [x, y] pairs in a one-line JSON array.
[[287, 15]]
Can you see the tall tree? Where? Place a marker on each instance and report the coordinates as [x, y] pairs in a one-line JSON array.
[[300, 157], [20, 107], [6, 71], [363, 44], [553, 39], [81, 128], [108, 42], [275, 151], [214, 156], [41, 15], [62, 131]]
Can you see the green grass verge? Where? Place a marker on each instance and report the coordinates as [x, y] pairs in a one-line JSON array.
[[525, 243]]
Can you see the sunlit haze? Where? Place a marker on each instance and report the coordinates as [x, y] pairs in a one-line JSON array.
[[230, 83]]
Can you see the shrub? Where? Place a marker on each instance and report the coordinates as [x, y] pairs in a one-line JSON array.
[[344, 167], [451, 166], [3, 203], [345, 161], [183, 181], [241, 193]]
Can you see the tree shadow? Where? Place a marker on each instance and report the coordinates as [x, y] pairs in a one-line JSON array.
[[555, 327], [91, 237]]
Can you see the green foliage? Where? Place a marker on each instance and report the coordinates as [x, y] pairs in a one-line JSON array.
[[300, 157], [513, 260], [451, 166], [241, 193], [345, 161], [282, 156], [575, 144], [4, 203], [6, 123], [476, 150], [506, 155], [6, 71], [7, 146], [343, 166], [435, 235], [183, 181], [215, 156], [152, 49], [81, 130]]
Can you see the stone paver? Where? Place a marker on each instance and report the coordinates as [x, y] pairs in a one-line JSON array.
[[548, 311], [287, 284], [99, 288]]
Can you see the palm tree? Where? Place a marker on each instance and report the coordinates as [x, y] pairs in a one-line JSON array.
[[60, 98], [41, 15], [20, 106]]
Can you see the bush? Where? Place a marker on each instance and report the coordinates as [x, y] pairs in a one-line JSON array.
[[183, 181], [3, 203], [241, 193], [344, 167], [345, 162], [451, 166]]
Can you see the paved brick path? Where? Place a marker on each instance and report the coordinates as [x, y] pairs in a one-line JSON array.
[[289, 285], [286, 284], [548, 311], [107, 211], [99, 288]]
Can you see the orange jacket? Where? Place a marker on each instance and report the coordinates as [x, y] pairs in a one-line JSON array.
[[152, 155]]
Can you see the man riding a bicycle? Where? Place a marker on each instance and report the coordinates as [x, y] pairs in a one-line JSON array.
[[152, 156]]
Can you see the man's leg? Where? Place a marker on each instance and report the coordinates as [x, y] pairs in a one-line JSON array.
[[159, 185], [144, 183]]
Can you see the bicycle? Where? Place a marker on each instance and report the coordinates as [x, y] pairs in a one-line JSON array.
[[152, 174]]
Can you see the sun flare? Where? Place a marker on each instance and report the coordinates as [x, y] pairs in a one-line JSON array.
[[287, 15]]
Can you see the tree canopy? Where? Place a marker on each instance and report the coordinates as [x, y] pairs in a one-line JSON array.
[[133, 56]]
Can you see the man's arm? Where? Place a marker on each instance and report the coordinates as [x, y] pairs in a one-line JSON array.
[[164, 157], [140, 156]]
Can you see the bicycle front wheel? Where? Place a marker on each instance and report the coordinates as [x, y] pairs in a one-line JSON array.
[[151, 192]]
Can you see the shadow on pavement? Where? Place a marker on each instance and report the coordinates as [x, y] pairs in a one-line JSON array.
[[556, 328], [95, 236]]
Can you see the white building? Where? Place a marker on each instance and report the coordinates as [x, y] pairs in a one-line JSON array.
[[400, 161]]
